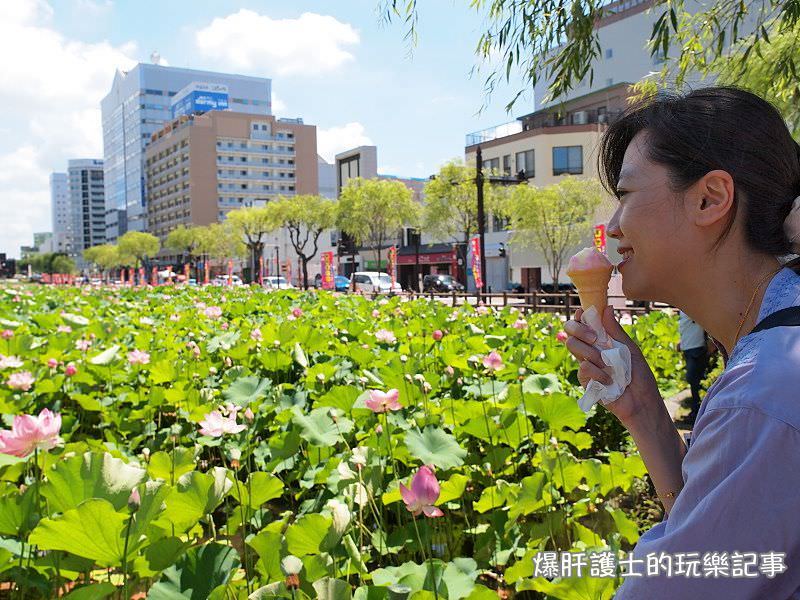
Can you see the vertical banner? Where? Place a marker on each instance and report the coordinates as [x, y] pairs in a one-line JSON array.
[[327, 271], [186, 273], [230, 272], [261, 270], [393, 264], [142, 282], [169, 274], [154, 276], [289, 271], [475, 243], [600, 237], [130, 276], [56, 279], [205, 272]]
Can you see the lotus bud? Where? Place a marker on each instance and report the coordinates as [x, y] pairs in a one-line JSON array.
[[134, 501], [340, 515]]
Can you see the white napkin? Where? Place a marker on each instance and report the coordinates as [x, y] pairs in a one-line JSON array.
[[614, 354]]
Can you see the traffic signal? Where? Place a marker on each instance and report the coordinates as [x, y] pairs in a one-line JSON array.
[[502, 249]]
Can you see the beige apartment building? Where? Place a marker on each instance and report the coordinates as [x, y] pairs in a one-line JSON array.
[[541, 148], [200, 167]]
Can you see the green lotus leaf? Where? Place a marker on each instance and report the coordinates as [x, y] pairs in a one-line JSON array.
[[434, 446], [197, 573], [246, 390]]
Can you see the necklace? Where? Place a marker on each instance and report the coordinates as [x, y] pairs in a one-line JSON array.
[[750, 304]]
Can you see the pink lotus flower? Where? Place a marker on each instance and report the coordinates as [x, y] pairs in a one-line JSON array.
[[215, 424], [64, 329], [423, 494], [138, 357], [375, 313], [70, 370], [297, 313], [437, 335], [255, 334], [225, 326], [83, 345], [29, 433], [385, 336], [562, 336], [174, 317], [23, 380], [520, 324], [249, 415], [482, 310], [213, 312], [380, 402], [7, 334], [493, 361], [52, 363], [134, 500], [379, 429]]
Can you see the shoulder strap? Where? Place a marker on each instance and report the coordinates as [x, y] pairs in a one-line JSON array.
[[788, 317]]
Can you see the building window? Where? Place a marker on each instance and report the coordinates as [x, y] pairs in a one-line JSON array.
[[491, 164], [524, 164], [507, 164], [255, 126], [567, 159], [154, 92]]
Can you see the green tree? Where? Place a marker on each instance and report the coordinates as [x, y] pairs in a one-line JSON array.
[[253, 224], [557, 40], [305, 217], [104, 256], [139, 245], [372, 211], [451, 202], [63, 264], [555, 219], [222, 241], [186, 241]]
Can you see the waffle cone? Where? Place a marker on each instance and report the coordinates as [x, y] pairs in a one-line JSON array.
[[592, 285]]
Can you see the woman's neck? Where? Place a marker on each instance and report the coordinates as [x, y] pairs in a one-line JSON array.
[[727, 291]]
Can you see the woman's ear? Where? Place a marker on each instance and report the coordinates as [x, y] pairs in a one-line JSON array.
[[711, 199]]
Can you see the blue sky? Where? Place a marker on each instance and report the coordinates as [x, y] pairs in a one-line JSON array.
[[333, 63]]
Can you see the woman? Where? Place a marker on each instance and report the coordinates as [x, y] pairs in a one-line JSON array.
[[707, 216]]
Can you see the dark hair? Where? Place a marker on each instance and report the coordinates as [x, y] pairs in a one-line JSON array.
[[717, 128]]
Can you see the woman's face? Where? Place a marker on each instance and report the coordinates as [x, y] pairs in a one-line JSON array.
[[647, 224]]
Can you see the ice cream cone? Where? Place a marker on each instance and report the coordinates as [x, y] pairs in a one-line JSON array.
[[590, 271]]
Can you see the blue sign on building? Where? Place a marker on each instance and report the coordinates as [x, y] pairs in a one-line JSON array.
[[200, 101]]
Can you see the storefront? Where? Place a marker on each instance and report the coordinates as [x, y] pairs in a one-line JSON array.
[[413, 263]]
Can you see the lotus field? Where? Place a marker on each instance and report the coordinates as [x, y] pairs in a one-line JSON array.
[[230, 443]]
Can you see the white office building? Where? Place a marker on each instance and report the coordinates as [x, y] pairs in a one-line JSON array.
[[138, 105], [61, 216]]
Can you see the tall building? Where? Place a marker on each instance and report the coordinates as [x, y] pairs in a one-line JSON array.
[[137, 106], [87, 205], [201, 166], [61, 215], [327, 178]]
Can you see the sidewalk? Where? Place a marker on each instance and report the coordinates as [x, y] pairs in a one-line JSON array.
[[678, 412]]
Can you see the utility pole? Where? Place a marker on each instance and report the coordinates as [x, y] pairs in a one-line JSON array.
[[481, 218]]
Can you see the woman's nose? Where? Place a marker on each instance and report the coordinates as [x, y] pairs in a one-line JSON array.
[[612, 229]]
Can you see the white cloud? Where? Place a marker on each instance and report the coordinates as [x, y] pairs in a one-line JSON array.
[[334, 140], [278, 105], [250, 42], [51, 88]]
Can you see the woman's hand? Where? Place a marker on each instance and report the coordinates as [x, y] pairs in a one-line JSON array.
[[642, 393]]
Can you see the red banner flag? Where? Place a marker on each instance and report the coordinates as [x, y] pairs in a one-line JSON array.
[[327, 271], [230, 272], [186, 273], [393, 264], [476, 262], [260, 270], [154, 276], [141, 277], [600, 237]]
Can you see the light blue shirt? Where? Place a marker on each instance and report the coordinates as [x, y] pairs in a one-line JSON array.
[[741, 473]]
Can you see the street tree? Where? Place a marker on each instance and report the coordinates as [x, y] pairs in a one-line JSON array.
[[139, 245], [557, 41], [253, 224], [185, 240], [305, 218], [554, 220], [372, 211], [451, 204]]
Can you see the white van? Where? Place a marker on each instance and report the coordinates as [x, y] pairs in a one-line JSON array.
[[373, 282]]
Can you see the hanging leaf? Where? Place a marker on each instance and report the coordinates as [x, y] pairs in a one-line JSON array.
[[105, 357]]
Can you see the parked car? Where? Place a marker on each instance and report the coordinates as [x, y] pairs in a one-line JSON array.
[[341, 283], [277, 283], [441, 283], [550, 289], [374, 282], [223, 280]]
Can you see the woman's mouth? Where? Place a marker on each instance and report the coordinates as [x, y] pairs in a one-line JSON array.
[[627, 254]]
